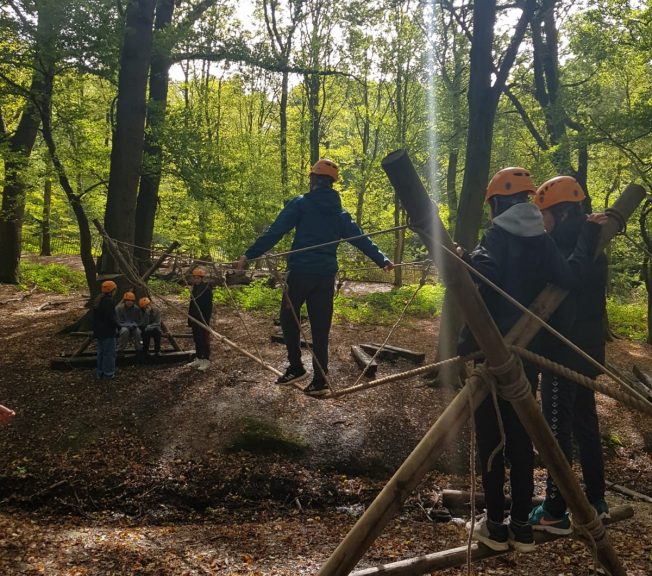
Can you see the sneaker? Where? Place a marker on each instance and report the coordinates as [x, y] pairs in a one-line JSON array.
[[492, 534], [194, 362], [204, 364], [541, 519], [316, 388], [521, 536], [292, 375], [602, 508]]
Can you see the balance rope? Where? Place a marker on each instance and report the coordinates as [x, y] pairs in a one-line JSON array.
[[618, 395], [296, 315], [422, 282]]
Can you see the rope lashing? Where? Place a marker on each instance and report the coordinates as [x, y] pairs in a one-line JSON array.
[[619, 395], [512, 390], [591, 532]]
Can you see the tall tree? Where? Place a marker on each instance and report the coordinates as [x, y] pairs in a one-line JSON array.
[[19, 145], [128, 136]]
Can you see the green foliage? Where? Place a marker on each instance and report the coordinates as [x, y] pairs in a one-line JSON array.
[[256, 296], [166, 288], [627, 319], [385, 307], [51, 278], [264, 437]]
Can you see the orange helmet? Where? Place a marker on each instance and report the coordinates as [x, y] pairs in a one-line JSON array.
[[509, 181], [557, 190], [130, 296], [108, 286], [144, 301], [198, 271], [325, 167]]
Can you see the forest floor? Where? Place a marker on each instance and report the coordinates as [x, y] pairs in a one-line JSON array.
[[170, 471]]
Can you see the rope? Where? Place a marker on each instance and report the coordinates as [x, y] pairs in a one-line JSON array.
[[591, 532], [482, 373], [288, 252], [407, 374], [629, 400], [422, 282]]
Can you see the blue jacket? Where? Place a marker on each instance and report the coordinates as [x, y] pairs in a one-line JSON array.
[[318, 217]]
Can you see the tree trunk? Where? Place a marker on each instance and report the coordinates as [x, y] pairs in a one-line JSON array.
[[20, 145], [46, 249], [85, 238], [127, 147], [451, 189], [283, 118], [150, 180], [312, 85]]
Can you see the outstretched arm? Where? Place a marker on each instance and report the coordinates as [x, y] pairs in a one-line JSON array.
[[285, 221], [365, 245]]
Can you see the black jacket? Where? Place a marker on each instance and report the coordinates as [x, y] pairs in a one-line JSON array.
[[517, 255], [201, 303], [105, 323]]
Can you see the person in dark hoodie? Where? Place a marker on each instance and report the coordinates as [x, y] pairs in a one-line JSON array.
[[105, 328], [201, 309], [318, 218], [517, 255], [568, 406]]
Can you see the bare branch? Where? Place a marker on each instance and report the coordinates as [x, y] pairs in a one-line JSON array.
[[540, 140]]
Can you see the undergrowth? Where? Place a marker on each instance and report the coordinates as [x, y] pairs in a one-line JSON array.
[[51, 278], [627, 319]]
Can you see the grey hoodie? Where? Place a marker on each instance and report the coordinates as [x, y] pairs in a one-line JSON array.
[[524, 220]]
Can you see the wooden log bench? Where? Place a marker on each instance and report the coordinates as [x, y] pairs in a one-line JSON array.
[[363, 360], [130, 358]]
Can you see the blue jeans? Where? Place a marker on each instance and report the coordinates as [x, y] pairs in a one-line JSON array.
[[105, 358]]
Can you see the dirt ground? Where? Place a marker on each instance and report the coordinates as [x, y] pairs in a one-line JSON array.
[[145, 474]]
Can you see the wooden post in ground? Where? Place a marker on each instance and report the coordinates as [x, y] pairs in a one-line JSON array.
[[511, 382], [154, 267]]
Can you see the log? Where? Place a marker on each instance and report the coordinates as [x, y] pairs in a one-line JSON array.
[[644, 378], [126, 359], [154, 267], [457, 556], [461, 500], [364, 362], [635, 385], [278, 339], [384, 354], [163, 335], [628, 492], [416, 357]]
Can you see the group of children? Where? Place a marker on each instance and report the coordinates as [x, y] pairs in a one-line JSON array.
[[115, 326], [528, 245]]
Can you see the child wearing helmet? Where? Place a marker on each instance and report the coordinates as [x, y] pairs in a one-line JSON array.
[[129, 319], [569, 407], [318, 218], [105, 327], [201, 309], [150, 326], [517, 255]]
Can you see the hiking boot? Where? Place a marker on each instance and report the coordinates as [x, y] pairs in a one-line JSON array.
[[316, 388], [204, 364], [492, 534], [521, 537], [292, 375], [602, 508], [541, 519]]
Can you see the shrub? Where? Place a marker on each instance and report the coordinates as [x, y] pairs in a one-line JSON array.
[[628, 319], [51, 277]]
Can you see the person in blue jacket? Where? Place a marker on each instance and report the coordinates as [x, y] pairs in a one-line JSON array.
[[517, 255], [317, 218]]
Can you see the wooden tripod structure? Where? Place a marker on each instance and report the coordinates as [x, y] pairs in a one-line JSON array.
[[511, 384]]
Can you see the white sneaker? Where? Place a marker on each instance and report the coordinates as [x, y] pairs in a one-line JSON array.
[[194, 363], [204, 364], [491, 534]]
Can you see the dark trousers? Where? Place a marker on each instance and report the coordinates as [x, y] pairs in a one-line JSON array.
[[105, 357], [202, 338], [155, 335], [317, 292], [517, 451], [570, 411]]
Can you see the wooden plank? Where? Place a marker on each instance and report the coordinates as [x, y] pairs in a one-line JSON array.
[[457, 556], [364, 362], [384, 354], [643, 377], [628, 492], [461, 500], [413, 356], [126, 359]]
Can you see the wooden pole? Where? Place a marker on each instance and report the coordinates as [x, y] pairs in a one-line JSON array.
[[154, 267], [426, 222], [457, 556]]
